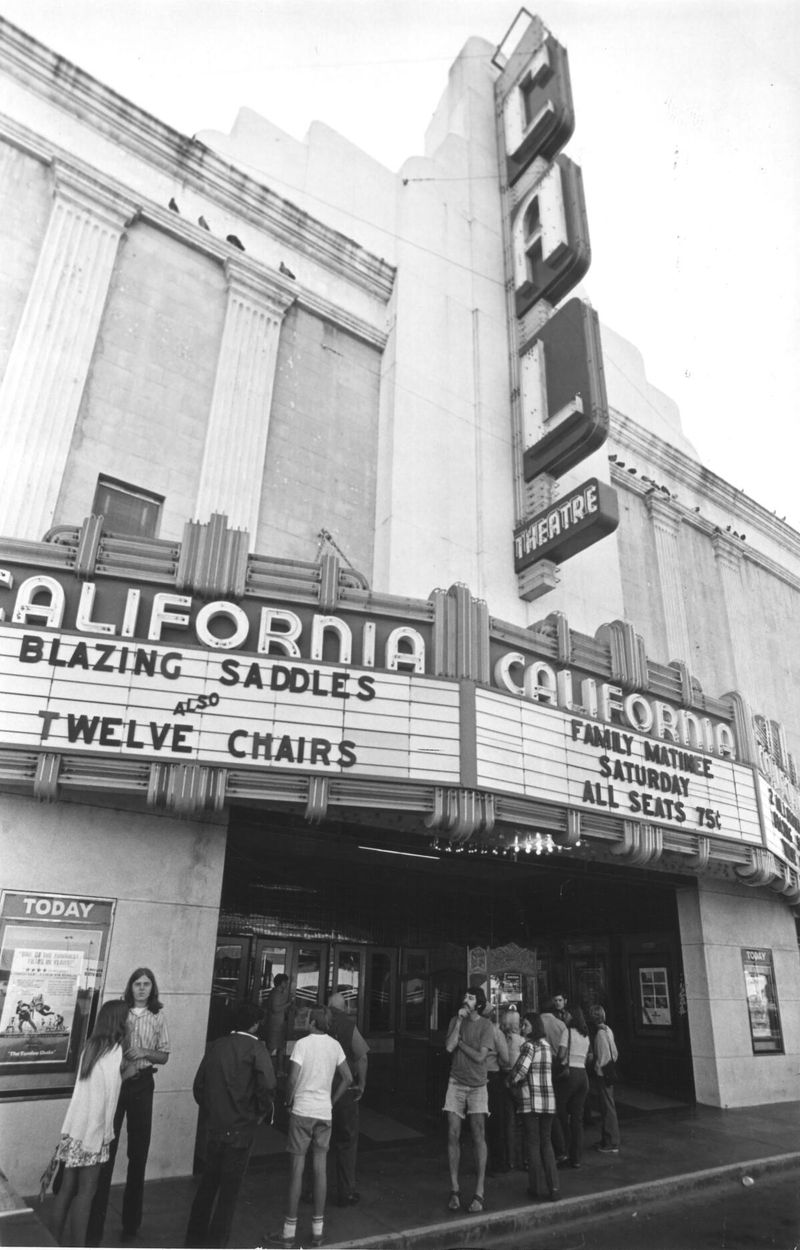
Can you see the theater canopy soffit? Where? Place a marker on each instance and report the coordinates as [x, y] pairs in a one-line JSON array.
[[195, 676]]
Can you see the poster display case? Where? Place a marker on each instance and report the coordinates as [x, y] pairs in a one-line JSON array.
[[53, 950]]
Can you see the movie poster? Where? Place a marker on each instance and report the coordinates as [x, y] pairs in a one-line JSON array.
[[52, 961]]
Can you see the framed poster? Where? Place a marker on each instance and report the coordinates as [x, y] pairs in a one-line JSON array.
[[53, 951], [762, 1001], [654, 1000]]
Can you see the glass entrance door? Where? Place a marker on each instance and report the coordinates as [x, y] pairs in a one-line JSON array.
[[305, 963]]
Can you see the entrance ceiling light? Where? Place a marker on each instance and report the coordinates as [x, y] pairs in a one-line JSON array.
[[523, 844]]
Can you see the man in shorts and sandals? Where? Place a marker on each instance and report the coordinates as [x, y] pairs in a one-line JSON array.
[[470, 1037], [316, 1061]]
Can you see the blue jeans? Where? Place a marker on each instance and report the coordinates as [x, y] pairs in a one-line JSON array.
[[220, 1183], [542, 1171], [609, 1124], [344, 1138], [136, 1105], [570, 1097]]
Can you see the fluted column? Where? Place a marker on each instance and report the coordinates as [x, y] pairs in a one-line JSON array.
[[728, 556], [666, 524], [41, 390], [238, 424]]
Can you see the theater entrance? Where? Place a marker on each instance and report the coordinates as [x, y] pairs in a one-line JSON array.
[[398, 930]]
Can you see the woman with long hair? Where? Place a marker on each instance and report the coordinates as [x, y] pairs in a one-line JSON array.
[[88, 1128], [146, 1045], [573, 1089], [532, 1075]]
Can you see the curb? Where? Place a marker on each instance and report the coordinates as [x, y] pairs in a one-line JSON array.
[[452, 1234]]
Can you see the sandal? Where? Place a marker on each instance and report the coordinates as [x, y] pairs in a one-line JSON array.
[[454, 1203], [477, 1205]]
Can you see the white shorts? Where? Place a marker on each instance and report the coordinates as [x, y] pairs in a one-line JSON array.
[[465, 1100]]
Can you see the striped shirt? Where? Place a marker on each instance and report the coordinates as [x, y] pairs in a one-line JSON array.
[[147, 1031], [532, 1073]]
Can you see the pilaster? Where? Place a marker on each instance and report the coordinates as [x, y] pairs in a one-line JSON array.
[[728, 556], [238, 424], [666, 521], [41, 390]]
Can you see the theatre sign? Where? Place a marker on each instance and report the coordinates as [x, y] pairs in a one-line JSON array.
[[298, 684]]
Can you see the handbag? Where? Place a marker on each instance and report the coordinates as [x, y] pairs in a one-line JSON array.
[[609, 1072], [52, 1175]]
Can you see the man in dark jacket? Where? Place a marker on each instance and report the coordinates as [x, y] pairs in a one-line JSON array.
[[233, 1086]]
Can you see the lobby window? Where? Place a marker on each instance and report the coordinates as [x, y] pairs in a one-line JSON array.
[[127, 509]]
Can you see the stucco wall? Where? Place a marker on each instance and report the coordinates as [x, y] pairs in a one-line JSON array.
[[25, 204], [166, 877], [151, 378], [322, 447], [717, 920]]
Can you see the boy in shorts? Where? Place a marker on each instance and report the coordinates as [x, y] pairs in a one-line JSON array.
[[315, 1061], [470, 1037]]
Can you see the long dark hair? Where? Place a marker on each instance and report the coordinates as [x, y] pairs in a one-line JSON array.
[[152, 1003], [537, 1027], [578, 1022], [108, 1032]]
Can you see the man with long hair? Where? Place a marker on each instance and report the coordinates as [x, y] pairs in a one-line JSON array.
[[146, 1046]]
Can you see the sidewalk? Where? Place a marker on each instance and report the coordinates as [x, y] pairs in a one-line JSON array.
[[404, 1184]]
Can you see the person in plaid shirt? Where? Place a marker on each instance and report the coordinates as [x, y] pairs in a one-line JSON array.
[[532, 1074]]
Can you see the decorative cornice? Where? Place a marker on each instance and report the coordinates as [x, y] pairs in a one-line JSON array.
[[683, 470], [196, 166], [186, 232], [635, 486], [727, 551], [665, 512], [259, 286]]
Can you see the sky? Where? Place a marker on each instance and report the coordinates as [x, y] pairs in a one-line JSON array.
[[687, 133]]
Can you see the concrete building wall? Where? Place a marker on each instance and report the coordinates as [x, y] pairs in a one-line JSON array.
[[717, 920], [166, 877], [322, 449], [25, 200], [151, 378]]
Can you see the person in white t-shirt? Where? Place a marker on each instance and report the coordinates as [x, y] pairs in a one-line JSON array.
[[315, 1062]]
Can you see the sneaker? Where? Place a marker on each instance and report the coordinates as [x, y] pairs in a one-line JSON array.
[[607, 1150]]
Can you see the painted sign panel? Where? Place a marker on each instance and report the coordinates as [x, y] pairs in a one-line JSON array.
[[538, 116], [781, 823], [551, 237], [545, 754], [186, 705]]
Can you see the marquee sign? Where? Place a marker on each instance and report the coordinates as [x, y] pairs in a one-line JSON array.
[[427, 697], [189, 705], [566, 759]]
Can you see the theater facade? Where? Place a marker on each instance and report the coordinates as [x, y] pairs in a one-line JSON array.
[[338, 636]]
